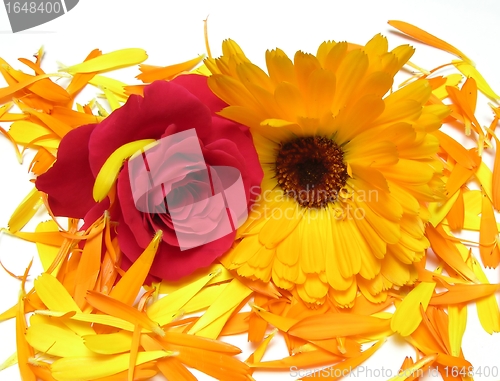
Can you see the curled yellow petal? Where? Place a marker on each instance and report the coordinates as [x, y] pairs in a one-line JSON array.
[[109, 171]]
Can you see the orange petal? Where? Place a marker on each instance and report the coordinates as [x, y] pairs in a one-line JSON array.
[[488, 233], [88, 267], [215, 364], [237, 324], [455, 150], [79, 81], [151, 73], [332, 325], [448, 252], [427, 38], [170, 367], [199, 342], [462, 293], [283, 323], [120, 310], [129, 285], [134, 351]]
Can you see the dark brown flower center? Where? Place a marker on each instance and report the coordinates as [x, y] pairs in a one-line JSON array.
[[311, 170]]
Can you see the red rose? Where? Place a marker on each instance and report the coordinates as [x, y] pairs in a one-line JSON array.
[[201, 163]]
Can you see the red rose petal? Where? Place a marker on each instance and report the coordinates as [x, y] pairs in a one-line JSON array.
[[164, 103], [197, 85], [69, 182]]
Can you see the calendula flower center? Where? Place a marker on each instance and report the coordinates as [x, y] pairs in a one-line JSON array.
[[311, 170]]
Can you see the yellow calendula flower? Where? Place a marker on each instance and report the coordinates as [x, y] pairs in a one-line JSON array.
[[349, 167]]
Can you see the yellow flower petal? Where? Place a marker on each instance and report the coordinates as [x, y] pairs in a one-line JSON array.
[[91, 368], [115, 86], [109, 61], [407, 317], [47, 253], [56, 341], [24, 350], [109, 171], [54, 295], [471, 72], [456, 327], [230, 298], [487, 307], [109, 344], [25, 211], [163, 309]]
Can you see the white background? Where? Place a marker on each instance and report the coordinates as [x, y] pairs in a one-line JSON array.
[[172, 32]]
